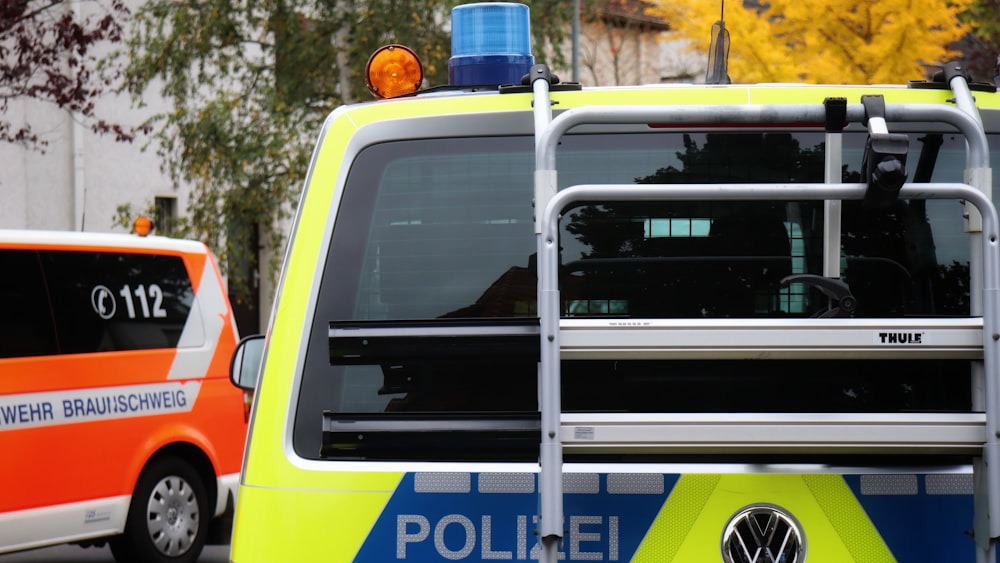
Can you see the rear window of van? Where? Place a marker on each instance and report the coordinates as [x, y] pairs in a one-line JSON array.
[[65, 302], [440, 231]]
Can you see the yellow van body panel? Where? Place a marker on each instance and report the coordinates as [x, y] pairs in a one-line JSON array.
[[309, 529]]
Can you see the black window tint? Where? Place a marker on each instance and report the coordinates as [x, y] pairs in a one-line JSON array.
[[728, 259], [107, 301], [427, 230], [913, 258], [447, 231], [26, 327], [682, 260], [442, 229], [926, 385]]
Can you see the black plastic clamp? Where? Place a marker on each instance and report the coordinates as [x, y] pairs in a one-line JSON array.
[[836, 114]]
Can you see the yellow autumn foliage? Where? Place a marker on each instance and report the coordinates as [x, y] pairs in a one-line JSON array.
[[824, 41]]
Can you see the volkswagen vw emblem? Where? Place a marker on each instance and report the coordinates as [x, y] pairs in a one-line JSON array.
[[763, 533]]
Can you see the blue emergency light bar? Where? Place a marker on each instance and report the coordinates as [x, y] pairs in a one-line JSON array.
[[490, 44]]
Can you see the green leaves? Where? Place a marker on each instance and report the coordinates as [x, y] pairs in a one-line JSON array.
[[251, 82]]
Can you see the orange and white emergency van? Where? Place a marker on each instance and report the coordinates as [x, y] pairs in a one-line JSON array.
[[117, 419]]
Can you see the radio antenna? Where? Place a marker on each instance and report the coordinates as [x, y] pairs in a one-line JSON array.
[[718, 51]]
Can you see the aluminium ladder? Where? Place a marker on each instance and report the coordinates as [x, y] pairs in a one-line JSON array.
[[974, 433]]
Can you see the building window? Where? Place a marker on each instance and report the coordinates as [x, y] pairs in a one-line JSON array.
[[166, 215]]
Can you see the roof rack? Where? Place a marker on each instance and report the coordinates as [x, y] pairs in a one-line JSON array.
[[978, 338]]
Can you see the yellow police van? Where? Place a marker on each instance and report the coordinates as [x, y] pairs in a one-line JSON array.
[[526, 320]]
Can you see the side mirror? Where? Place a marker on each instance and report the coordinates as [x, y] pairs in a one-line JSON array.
[[245, 365]]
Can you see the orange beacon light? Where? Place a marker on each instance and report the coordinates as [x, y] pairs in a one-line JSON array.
[[142, 226], [393, 70]]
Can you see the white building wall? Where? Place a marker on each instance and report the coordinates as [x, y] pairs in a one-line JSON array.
[[37, 187], [78, 178]]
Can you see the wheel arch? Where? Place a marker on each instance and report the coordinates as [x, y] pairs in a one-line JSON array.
[[199, 461]]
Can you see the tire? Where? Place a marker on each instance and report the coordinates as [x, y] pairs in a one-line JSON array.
[[168, 516]]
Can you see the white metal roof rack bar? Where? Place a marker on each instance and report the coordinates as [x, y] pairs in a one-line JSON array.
[[798, 433], [758, 339], [970, 433]]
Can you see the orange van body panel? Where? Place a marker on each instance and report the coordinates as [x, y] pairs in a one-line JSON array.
[[55, 450]]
